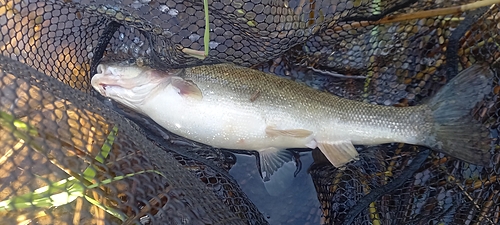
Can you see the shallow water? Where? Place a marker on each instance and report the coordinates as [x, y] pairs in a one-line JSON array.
[[295, 204]]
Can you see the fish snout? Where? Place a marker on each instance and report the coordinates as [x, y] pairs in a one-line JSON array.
[[98, 79]]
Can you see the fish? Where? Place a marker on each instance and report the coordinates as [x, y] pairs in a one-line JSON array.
[[233, 107]]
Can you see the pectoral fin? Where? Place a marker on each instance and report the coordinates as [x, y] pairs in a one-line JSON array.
[[271, 159], [338, 152], [298, 133], [186, 88]]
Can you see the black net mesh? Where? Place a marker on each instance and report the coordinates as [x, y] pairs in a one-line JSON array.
[[66, 158], [45, 138]]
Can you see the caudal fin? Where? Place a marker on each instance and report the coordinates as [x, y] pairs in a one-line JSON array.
[[455, 132]]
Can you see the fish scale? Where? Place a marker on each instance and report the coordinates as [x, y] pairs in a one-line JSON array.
[[311, 108], [233, 107]]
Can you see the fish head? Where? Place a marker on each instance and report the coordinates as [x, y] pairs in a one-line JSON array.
[[129, 85]]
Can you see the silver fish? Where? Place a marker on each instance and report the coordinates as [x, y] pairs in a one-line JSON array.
[[233, 107]]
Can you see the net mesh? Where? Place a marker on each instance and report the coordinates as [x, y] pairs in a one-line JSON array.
[[90, 165]]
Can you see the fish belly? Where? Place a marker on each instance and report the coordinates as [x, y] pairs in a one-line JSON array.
[[218, 124]]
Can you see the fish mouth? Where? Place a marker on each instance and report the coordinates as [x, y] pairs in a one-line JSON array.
[[107, 89], [104, 87], [124, 85]]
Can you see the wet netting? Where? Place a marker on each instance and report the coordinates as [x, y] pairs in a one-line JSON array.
[[68, 156]]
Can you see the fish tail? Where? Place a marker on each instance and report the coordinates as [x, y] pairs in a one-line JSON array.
[[455, 132]]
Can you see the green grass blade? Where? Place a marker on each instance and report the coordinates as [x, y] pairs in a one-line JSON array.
[[115, 212], [91, 171], [53, 195], [206, 36]]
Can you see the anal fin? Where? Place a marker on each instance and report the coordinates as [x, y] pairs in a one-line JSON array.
[[338, 153]]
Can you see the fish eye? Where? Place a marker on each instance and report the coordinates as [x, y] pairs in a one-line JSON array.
[[99, 68]]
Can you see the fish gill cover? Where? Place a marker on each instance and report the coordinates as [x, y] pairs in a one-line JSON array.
[[67, 158]]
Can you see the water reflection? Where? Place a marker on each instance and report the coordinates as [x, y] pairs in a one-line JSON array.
[[298, 204]]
